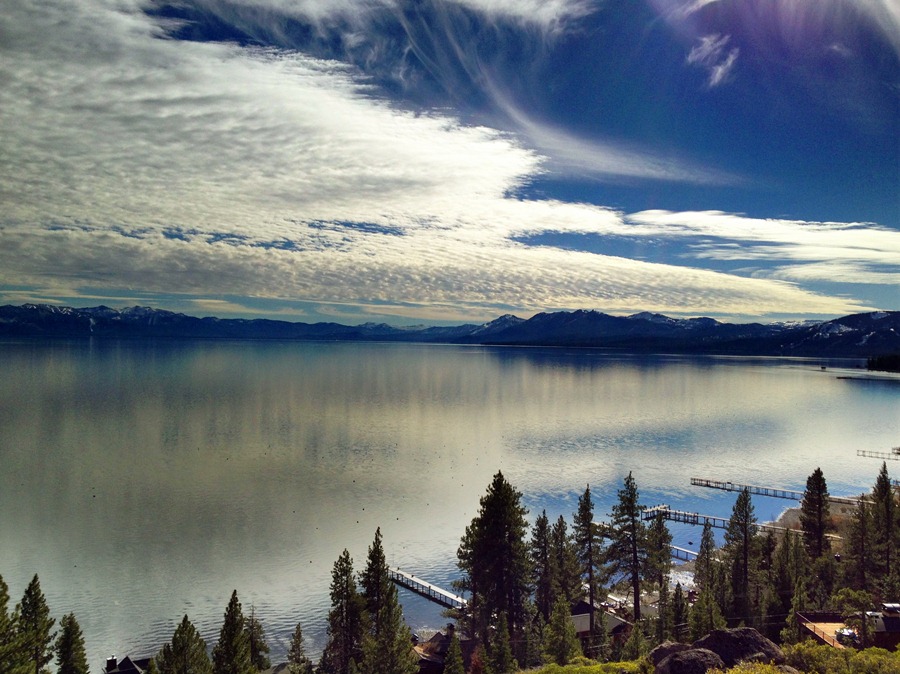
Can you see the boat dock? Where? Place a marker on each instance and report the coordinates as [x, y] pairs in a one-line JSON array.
[[698, 519], [425, 589], [766, 491]]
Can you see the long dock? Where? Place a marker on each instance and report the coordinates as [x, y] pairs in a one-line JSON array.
[[893, 455], [683, 554], [766, 491], [698, 519], [425, 589]]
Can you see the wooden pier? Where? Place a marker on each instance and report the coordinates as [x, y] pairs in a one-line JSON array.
[[701, 520], [766, 491], [683, 554], [425, 589], [893, 455]]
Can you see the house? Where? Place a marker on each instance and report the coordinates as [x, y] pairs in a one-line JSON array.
[[887, 626], [432, 653], [127, 666], [581, 617]]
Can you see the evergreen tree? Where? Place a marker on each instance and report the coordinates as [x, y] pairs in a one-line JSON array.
[[664, 618], [298, 663], [376, 584], [705, 616], [259, 649], [636, 646], [814, 512], [884, 528], [12, 657], [186, 654], [70, 653], [859, 564], [494, 561], [739, 542], [791, 633], [500, 653], [659, 553], [533, 637], [566, 573], [231, 654], [703, 565], [34, 625], [346, 620], [627, 551], [453, 662], [560, 640], [854, 605], [542, 573], [680, 609], [589, 546], [390, 652]]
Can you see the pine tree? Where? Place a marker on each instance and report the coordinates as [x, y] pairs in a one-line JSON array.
[[493, 558], [259, 649], [542, 574], [560, 640], [346, 620], [186, 654], [627, 551], [854, 604], [298, 663], [705, 616], [884, 521], [739, 541], [231, 655], [70, 653], [679, 612], [12, 657], [34, 625], [859, 566], [814, 515], [499, 650], [376, 584], [589, 546], [566, 575], [703, 565], [453, 662]]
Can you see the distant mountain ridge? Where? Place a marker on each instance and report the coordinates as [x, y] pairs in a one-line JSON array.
[[855, 336]]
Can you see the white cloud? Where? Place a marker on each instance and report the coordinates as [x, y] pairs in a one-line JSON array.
[[137, 165], [712, 53]]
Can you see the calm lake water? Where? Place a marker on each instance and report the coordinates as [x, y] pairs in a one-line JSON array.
[[146, 481]]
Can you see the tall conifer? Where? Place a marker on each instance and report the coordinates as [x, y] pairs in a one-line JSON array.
[[346, 620], [814, 512], [70, 653], [256, 636], [542, 573], [186, 653], [627, 551], [298, 662], [493, 558], [589, 544], [231, 654], [12, 657], [739, 541], [34, 625]]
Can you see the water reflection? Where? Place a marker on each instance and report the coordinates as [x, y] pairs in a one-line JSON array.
[[143, 481]]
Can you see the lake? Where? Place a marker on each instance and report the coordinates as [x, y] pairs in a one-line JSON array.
[[143, 481]]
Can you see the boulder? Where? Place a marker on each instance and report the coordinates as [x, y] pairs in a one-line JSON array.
[[692, 661], [666, 649], [743, 644]]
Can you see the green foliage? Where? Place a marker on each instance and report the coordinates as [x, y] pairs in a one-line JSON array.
[[185, 654], [298, 662], [231, 654], [346, 620], [814, 515], [705, 616], [566, 571], [634, 667], [494, 562], [500, 655], [636, 646], [33, 627], [853, 605], [627, 551], [376, 583], [859, 562], [808, 656], [541, 566], [680, 608], [259, 649], [453, 662], [739, 538], [560, 639], [70, 653], [12, 657], [589, 550]]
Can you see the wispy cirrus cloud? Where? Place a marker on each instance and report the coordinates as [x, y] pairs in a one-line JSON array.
[[135, 165], [713, 54]]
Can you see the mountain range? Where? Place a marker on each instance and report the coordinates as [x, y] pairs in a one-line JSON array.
[[855, 336]]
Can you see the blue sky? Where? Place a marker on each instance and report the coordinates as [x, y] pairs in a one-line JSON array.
[[450, 161]]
